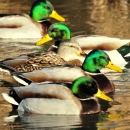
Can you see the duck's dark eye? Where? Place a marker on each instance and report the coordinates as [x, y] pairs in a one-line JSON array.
[[46, 7], [71, 46], [89, 85], [101, 57]]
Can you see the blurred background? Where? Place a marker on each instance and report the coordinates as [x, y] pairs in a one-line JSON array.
[[100, 17]]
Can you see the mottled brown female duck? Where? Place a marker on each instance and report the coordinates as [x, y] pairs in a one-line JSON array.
[[67, 53]]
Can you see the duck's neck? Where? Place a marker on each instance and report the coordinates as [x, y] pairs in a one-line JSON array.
[[57, 42], [55, 49]]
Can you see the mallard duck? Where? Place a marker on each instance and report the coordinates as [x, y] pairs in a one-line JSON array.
[[93, 63], [100, 42], [66, 52], [58, 98], [60, 32], [25, 26]]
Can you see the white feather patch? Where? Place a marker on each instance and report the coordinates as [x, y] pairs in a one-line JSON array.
[[9, 99], [20, 80]]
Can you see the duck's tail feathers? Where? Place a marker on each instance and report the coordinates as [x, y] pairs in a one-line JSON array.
[[124, 50], [9, 99], [128, 65], [6, 69], [10, 118], [21, 79]]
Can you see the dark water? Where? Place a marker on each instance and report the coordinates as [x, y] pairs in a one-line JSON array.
[[91, 17]]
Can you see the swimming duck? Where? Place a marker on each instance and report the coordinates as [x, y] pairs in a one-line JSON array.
[[93, 63], [25, 26], [60, 32], [100, 42], [58, 98], [66, 52]]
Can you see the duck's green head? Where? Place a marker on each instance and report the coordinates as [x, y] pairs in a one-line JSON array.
[[57, 31], [43, 9], [85, 87], [98, 59]]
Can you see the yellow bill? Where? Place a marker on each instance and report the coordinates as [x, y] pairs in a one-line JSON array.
[[56, 16], [80, 52], [101, 95], [45, 39], [113, 67]]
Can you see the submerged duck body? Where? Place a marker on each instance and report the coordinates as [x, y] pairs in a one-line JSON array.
[[25, 26], [88, 43], [57, 98]]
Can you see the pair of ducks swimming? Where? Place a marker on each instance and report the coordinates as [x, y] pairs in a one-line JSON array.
[[97, 60]]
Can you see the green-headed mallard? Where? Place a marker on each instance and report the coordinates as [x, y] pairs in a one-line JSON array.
[[56, 98], [60, 32], [93, 63], [25, 26]]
